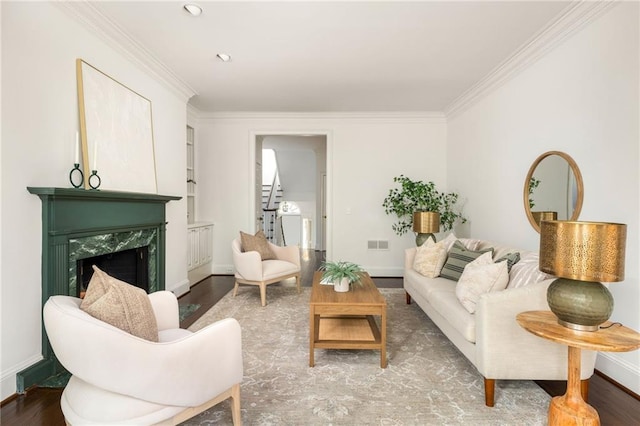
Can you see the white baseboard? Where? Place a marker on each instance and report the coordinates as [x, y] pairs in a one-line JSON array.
[[620, 370], [223, 269], [384, 272], [181, 288], [8, 378]]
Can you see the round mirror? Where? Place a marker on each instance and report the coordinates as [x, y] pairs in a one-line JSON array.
[[553, 189]]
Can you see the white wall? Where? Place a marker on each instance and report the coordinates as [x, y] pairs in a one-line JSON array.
[[582, 98], [364, 153], [39, 121]]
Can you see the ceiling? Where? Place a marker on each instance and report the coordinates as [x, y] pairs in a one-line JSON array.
[[331, 56]]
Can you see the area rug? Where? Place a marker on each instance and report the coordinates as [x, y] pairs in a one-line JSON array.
[[427, 381]]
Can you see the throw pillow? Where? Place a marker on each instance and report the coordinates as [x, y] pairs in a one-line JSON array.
[[430, 258], [257, 242], [479, 277], [458, 258], [448, 241], [120, 304], [527, 271], [510, 258]]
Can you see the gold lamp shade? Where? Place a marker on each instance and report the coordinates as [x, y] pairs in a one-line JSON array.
[[540, 216], [581, 254], [585, 251], [425, 224]]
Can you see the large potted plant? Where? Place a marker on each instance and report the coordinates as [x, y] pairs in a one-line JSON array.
[[419, 196], [341, 274]]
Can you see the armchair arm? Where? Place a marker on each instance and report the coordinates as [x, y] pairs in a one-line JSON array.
[[200, 365], [165, 308], [248, 264], [289, 253], [507, 351]]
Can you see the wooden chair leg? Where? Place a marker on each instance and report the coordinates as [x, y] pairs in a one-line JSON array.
[[235, 405], [235, 289], [298, 282], [408, 297], [489, 392], [263, 293]]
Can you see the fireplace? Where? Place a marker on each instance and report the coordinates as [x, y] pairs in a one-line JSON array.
[[80, 227], [130, 266]]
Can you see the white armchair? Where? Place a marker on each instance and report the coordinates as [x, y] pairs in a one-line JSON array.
[[118, 378], [251, 269]]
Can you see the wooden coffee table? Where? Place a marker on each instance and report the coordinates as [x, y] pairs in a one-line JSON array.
[[346, 320]]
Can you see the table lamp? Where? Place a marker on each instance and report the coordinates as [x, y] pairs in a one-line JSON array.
[[581, 254], [544, 215], [425, 224]]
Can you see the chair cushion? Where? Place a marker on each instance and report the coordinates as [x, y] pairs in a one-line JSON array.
[[257, 242], [121, 305], [277, 268]]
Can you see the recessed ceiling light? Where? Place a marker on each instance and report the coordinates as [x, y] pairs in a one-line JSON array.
[[193, 9], [224, 57]]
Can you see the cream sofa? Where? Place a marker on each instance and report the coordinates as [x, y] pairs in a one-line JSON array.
[[490, 338]]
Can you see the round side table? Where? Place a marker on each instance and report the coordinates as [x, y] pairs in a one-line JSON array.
[[571, 409]]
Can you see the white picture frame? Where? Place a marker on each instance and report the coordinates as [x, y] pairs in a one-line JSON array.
[[116, 129]]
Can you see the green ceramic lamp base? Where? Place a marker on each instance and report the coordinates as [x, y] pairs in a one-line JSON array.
[[580, 305], [422, 238]]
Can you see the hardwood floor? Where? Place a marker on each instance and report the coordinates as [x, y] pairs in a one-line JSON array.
[[41, 406]]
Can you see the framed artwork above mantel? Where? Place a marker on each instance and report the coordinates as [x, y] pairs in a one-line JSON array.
[[116, 129]]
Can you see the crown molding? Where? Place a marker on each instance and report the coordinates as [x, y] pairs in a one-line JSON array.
[[569, 21], [400, 116], [107, 30]]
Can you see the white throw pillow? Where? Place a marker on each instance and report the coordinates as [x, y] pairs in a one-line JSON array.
[[430, 258], [479, 277], [448, 241]]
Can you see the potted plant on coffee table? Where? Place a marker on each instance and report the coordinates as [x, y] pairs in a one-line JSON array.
[[341, 274]]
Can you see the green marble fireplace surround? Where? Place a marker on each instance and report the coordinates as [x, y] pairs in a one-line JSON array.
[[79, 224]]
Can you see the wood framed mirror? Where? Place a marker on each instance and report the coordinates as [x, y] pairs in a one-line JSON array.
[[553, 189]]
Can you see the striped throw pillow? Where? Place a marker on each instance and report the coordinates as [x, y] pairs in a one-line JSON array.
[[459, 256], [510, 258]]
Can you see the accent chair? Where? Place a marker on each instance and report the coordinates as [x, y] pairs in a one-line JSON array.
[[251, 269], [118, 378]]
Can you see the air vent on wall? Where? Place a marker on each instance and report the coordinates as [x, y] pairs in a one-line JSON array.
[[378, 245]]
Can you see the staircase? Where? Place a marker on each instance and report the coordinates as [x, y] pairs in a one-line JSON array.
[[270, 203]]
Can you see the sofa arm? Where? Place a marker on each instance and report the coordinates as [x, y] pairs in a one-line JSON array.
[[507, 351], [409, 257]]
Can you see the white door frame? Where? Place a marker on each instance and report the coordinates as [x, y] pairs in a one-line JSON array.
[[253, 135]]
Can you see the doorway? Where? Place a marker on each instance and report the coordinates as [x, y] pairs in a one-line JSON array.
[[303, 194]]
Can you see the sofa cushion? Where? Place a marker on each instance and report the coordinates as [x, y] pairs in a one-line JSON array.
[[121, 305], [444, 301], [479, 277], [430, 258], [257, 242], [459, 256]]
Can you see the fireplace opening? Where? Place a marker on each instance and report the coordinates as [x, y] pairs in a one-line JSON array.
[[130, 266]]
